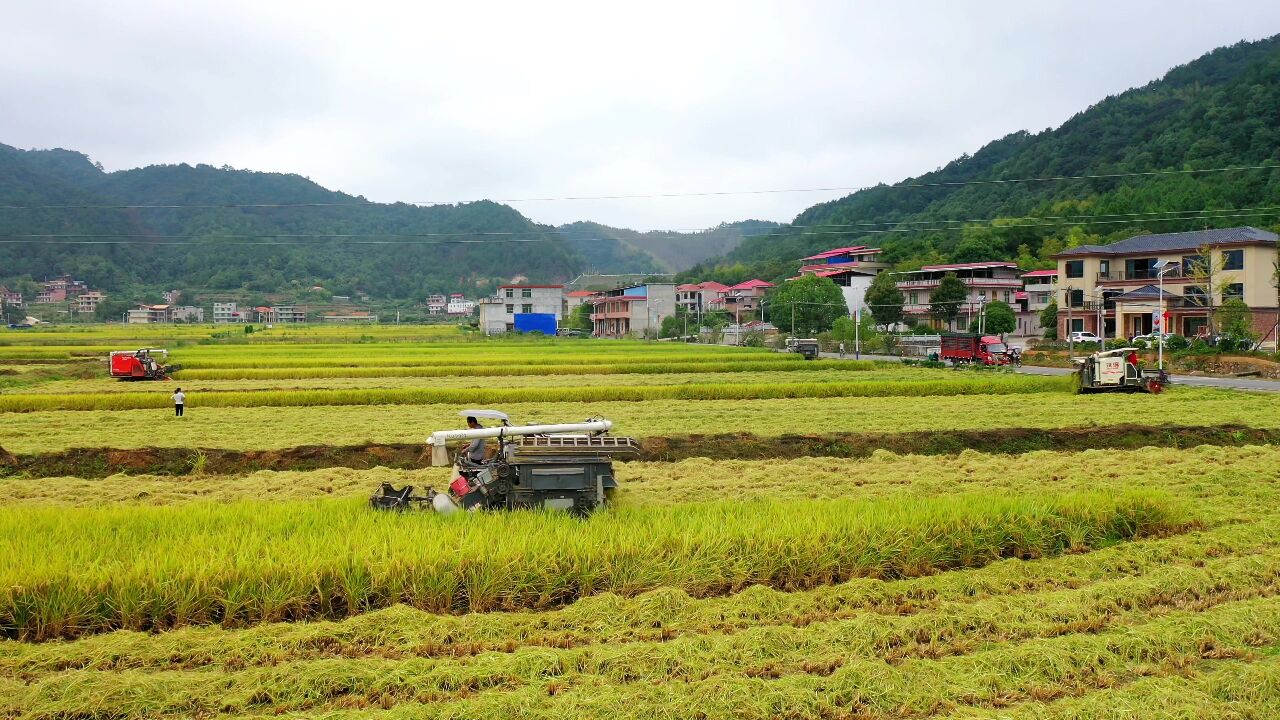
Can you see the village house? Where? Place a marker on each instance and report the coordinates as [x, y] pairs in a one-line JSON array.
[[696, 299], [984, 282], [227, 312], [502, 312], [280, 314], [1036, 295], [87, 302], [632, 311], [437, 305], [459, 305], [1126, 288], [60, 289], [850, 268]]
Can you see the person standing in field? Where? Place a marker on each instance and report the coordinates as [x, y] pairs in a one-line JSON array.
[[179, 400]]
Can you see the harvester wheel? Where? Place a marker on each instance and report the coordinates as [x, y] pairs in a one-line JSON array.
[[1155, 387]]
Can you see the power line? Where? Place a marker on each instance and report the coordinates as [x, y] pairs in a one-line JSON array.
[[519, 237], [642, 196]]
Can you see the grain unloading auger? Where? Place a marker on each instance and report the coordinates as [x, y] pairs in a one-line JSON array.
[[562, 467]]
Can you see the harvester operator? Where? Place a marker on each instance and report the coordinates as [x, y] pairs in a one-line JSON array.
[[475, 451]]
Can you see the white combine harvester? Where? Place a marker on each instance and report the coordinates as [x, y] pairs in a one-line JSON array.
[[562, 467]]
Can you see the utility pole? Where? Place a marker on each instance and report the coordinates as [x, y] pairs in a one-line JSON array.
[[857, 333], [1071, 346]]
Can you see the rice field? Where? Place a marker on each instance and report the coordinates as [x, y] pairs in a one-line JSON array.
[[1137, 582]]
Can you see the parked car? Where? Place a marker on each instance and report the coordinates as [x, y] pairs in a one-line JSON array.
[[1152, 339], [1084, 336]]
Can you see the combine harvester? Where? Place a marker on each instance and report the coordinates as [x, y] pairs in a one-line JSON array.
[[557, 467], [1115, 371], [139, 365]]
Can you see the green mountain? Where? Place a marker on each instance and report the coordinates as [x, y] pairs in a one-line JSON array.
[[400, 250], [1222, 110], [618, 250]]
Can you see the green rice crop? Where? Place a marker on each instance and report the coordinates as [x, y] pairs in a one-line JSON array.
[[991, 385], [132, 567], [590, 367]]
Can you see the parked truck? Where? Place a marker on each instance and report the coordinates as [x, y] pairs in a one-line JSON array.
[[964, 348]]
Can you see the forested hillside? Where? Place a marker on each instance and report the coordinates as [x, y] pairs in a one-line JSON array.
[[400, 250], [618, 250], [1222, 110]]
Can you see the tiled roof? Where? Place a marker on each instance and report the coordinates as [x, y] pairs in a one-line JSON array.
[[1174, 242], [581, 293], [751, 284], [835, 251], [687, 287], [1041, 273], [1147, 292], [712, 285], [971, 266]]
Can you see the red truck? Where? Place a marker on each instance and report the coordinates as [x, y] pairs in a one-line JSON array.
[[985, 349]]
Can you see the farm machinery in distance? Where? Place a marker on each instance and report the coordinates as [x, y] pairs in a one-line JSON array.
[[557, 467], [140, 365], [1117, 371]]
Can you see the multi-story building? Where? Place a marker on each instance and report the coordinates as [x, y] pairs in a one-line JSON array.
[[280, 314], [60, 289], [459, 305], [150, 314], [851, 268], [10, 298], [1127, 288], [696, 299], [87, 302], [741, 301], [188, 314], [498, 313], [1038, 287], [575, 298], [984, 281], [437, 305], [633, 311], [355, 316], [227, 312]]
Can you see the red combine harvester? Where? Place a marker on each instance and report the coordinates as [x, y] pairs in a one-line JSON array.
[[140, 365], [983, 349]]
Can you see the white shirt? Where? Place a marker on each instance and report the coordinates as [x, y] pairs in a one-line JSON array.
[[179, 398]]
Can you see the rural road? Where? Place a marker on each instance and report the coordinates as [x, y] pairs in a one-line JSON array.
[[1187, 380]]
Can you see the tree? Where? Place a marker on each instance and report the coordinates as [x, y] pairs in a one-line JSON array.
[[111, 309], [945, 300], [580, 318], [1235, 319], [1049, 320], [672, 325], [885, 300], [999, 318], [813, 302]]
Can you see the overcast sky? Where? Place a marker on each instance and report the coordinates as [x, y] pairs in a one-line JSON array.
[[460, 101]]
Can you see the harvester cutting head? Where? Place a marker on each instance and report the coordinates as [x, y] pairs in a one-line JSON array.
[[140, 365], [564, 467]]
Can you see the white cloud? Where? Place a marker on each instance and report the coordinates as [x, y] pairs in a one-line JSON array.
[[420, 101]]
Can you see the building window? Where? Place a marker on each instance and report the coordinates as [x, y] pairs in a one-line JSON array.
[[526, 293], [1104, 267], [1076, 298], [1075, 268], [1195, 295], [1139, 269], [1077, 325], [1193, 326], [510, 308], [1006, 297], [510, 293], [526, 308], [913, 298], [1042, 298], [1232, 259], [1234, 291], [1192, 265]]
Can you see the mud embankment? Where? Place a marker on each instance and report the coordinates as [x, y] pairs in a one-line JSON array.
[[101, 462]]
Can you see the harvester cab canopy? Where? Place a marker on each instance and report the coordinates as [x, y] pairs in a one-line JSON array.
[[487, 414], [506, 431], [1121, 352]]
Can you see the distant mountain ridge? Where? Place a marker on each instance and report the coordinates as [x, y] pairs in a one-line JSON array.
[[398, 250], [619, 250], [1221, 110]]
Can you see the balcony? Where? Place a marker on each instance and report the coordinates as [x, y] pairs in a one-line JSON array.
[[972, 282], [1176, 273]]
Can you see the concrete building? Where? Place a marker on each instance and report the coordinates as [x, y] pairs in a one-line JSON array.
[[150, 314], [10, 298], [188, 314], [741, 301], [498, 313], [87, 302], [634, 311], [575, 298], [60, 289], [459, 305], [1037, 291], [1115, 290], [228, 312], [280, 314], [696, 299], [437, 305], [851, 268], [985, 281]]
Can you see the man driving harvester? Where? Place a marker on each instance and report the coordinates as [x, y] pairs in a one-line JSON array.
[[475, 451]]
